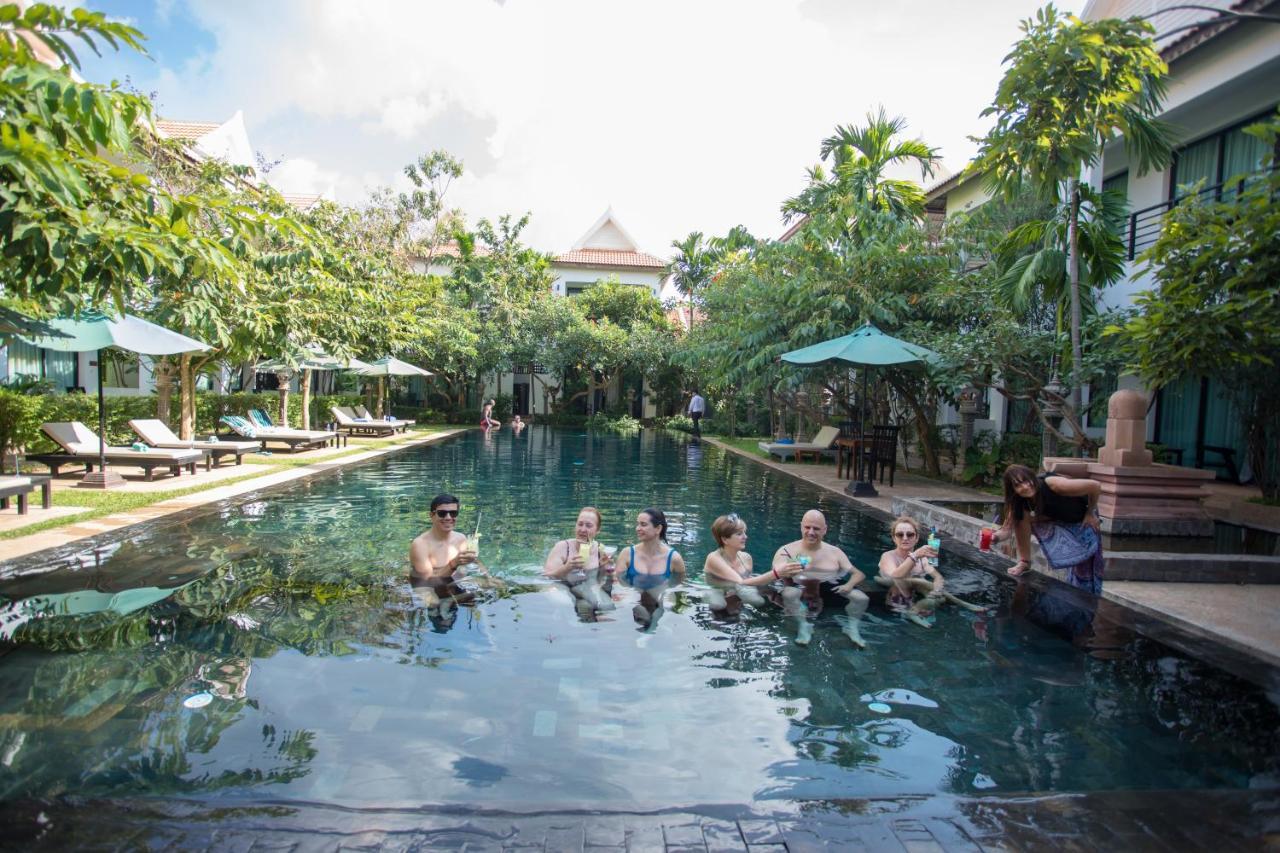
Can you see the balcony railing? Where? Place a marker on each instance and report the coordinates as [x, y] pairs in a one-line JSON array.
[[1146, 224]]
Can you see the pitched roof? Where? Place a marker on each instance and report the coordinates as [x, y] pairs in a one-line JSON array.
[[300, 201], [187, 131], [610, 258]]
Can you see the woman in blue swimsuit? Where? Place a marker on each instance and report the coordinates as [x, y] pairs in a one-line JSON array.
[[649, 566]]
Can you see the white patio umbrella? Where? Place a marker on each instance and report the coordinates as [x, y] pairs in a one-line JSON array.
[[384, 367], [316, 360], [96, 331]]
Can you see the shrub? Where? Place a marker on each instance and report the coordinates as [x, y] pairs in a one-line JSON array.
[[984, 463], [683, 423], [20, 419], [601, 422]]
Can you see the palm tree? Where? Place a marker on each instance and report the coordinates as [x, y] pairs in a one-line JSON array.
[[691, 268], [859, 157]]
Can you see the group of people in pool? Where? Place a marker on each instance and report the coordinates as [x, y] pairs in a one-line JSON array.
[[803, 576]]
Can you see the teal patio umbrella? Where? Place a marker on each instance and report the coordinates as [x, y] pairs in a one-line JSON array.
[[866, 348], [384, 367], [94, 331]]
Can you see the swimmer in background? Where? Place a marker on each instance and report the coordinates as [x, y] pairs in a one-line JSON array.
[[906, 573], [729, 569], [649, 566], [582, 572], [821, 566], [517, 424]]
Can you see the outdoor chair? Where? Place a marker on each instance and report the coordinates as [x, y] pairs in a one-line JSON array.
[[20, 487], [157, 434], [881, 452], [346, 420], [81, 446], [823, 444], [293, 438], [362, 412]]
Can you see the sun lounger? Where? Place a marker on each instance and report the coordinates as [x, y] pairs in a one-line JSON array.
[[823, 444], [294, 438], [361, 426], [362, 412], [81, 446], [20, 487], [155, 433]]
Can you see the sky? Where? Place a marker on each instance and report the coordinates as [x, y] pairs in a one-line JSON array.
[[682, 115]]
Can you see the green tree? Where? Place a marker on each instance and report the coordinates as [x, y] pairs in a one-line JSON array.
[[1214, 309], [690, 269], [1070, 86], [80, 226], [859, 157]]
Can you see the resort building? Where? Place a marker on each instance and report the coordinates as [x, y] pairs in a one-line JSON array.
[[1224, 74], [605, 251]]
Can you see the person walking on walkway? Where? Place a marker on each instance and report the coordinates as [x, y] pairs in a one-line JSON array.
[[697, 408]]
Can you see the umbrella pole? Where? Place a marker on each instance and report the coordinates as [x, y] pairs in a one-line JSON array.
[[863, 488], [102, 478]]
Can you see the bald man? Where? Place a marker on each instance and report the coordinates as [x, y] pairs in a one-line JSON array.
[[824, 565]]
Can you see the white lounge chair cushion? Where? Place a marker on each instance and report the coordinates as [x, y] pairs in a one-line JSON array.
[[157, 434], [11, 481], [78, 440]]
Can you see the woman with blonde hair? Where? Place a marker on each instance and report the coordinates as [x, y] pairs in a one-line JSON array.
[[729, 569], [905, 572], [583, 565]]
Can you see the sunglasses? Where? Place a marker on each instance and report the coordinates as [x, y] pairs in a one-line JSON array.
[[904, 534], [732, 518], [447, 513]]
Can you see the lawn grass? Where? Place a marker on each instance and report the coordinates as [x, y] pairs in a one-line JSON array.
[[100, 503], [747, 445]]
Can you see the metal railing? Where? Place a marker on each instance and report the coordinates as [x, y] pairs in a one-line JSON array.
[[1146, 225]]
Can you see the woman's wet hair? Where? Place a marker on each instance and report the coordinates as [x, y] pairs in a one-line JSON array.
[[658, 519], [904, 519], [596, 513], [725, 526], [1015, 505]]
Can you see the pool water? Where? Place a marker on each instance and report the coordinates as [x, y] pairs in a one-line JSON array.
[[271, 647]]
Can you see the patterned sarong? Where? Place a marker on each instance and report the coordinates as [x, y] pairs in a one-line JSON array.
[[1075, 549]]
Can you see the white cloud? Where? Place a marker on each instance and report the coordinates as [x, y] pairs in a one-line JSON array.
[[681, 115]]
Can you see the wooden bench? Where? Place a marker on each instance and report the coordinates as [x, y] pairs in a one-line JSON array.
[[1228, 455], [10, 489]]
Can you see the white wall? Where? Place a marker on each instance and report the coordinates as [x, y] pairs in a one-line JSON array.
[[563, 274]]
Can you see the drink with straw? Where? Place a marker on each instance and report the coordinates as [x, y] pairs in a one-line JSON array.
[[584, 551], [473, 541]]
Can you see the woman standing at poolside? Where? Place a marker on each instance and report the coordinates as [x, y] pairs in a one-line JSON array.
[[649, 565], [904, 571], [729, 568], [486, 416], [1062, 512], [581, 562]]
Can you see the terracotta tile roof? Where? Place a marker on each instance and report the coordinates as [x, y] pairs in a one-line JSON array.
[[610, 258], [299, 201], [188, 131]]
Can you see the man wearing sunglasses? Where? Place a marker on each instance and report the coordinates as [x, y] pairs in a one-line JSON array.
[[438, 553]]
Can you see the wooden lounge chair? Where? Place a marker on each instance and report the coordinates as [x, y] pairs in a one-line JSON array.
[[361, 426], [20, 487], [80, 446], [362, 412], [294, 438], [155, 433], [823, 444]]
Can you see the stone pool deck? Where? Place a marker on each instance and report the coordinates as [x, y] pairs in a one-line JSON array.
[[1219, 821], [1239, 618], [322, 460]]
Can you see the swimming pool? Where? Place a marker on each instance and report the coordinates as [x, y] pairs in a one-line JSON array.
[[323, 679]]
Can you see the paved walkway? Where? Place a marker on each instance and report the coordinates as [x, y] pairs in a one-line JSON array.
[[1218, 821], [21, 546], [1240, 619]]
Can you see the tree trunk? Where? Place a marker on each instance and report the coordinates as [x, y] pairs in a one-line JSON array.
[[377, 412], [305, 385], [186, 404], [283, 378], [163, 371], [1073, 270]]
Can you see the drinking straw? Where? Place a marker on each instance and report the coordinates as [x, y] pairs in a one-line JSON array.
[[477, 530]]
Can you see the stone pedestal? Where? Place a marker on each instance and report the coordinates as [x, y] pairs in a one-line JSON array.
[[1139, 497]]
